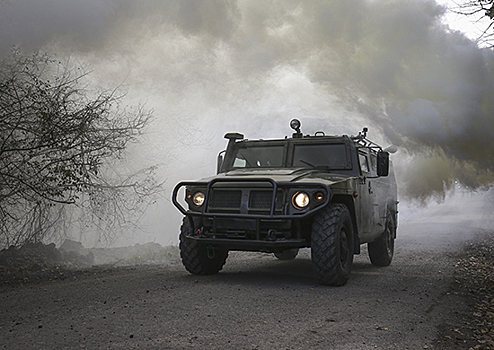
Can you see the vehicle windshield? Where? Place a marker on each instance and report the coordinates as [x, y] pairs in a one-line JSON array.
[[333, 156], [259, 157], [306, 155]]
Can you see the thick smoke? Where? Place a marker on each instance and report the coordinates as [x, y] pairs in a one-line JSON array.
[[32, 24], [210, 67]]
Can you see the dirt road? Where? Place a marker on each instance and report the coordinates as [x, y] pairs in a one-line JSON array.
[[256, 302]]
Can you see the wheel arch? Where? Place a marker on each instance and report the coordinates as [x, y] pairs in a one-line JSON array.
[[350, 204]]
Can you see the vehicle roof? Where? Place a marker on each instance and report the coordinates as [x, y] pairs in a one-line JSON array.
[[305, 138]]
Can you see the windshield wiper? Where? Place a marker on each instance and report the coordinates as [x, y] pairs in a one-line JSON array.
[[305, 162], [317, 167]]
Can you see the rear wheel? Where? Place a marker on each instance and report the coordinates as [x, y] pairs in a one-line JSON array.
[[332, 245], [381, 250], [288, 254], [199, 259]]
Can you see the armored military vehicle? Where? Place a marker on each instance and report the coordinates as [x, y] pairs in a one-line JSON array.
[[329, 193]]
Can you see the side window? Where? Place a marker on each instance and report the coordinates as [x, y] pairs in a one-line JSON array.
[[239, 163], [364, 165], [374, 162]]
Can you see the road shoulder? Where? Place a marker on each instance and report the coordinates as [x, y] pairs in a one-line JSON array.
[[471, 299]]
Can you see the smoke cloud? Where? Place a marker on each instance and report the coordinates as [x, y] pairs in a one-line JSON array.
[[207, 68]]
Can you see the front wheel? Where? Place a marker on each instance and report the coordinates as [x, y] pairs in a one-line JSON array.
[[381, 250], [332, 245], [199, 259]]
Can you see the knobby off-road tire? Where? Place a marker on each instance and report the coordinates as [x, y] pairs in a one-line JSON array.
[[199, 259], [381, 250], [332, 245], [288, 254]]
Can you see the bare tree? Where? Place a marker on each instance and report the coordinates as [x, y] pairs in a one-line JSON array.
[[55, 141], [478, 9]]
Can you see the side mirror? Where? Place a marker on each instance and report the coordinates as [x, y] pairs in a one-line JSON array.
[[391, 149], [219, 162], [382, 163]]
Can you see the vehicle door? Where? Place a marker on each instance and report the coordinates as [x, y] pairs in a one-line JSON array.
[[369, 192], [380, 193]]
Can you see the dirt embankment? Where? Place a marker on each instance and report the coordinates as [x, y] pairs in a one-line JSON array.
[[37, 262]]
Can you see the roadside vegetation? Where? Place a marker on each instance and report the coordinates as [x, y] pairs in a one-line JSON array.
[[62, 146], [475, 280]]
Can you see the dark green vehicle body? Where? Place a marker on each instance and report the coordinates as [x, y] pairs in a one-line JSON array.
[[330, 193]]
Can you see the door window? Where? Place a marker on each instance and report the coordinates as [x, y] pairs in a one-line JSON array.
[[364, 164]]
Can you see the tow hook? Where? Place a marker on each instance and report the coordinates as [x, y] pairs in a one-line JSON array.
[[271, 235], [211, 252]]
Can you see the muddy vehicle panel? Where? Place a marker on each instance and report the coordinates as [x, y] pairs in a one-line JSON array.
[[329, 193]]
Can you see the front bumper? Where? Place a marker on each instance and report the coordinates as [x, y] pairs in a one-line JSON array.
[[287, 210], [251, 244], [276, 228]]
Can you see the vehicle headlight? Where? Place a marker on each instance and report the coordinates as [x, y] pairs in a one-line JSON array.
[[198, 198], [300, 200]]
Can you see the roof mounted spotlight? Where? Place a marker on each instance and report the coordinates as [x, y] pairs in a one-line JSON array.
[[295, 125]]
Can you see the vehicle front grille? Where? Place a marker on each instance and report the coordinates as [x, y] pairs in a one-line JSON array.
[[228, 199], [260, 199], [243, 201]]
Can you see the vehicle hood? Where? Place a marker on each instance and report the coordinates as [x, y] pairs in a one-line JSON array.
[[282, 175]]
